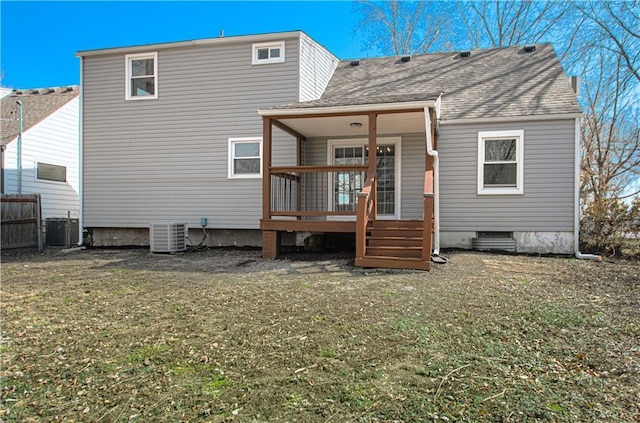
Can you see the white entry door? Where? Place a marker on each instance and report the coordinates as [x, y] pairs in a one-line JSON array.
[[345, 186]]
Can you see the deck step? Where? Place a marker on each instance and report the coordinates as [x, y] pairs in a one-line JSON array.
[[388, 224], [394, 241], [395, 232], [393, 262], [393, 251], [394, 244]]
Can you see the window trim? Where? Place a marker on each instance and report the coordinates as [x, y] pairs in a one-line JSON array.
[[55, 181], [128, 76], [256, 46], [518, 134], [231, 152]]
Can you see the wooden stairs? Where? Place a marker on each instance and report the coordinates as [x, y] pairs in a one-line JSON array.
[[395, 244]]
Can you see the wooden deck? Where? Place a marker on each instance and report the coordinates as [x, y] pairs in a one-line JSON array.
[[295, 200]]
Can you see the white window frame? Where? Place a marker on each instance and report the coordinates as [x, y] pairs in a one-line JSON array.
[[231, 150], [364, 142], [493, 135], [276, 44], [52, 181], [127, 88]]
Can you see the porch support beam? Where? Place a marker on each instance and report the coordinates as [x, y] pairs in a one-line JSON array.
[[373, 161], [267, 132], [299, 140], [373, 135], [270, 244], [328, 226], [288, 130], [355, 113]]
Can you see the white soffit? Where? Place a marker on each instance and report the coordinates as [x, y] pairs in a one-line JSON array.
[[340, 126]]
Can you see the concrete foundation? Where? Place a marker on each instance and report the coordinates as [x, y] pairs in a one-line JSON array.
[[526, 242], [544, 242], [125, 237], [118, 237], [456, 239]]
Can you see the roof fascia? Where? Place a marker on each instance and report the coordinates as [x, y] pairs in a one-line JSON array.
[[192, 43], [363, 109], [498, 119]]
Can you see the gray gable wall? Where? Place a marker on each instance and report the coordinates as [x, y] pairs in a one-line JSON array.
[[166, 160]]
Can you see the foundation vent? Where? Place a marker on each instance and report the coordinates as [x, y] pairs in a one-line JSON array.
[[167, 237], [499, 241]]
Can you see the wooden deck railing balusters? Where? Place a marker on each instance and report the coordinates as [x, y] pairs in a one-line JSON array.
[[288, 184], [366, 212]]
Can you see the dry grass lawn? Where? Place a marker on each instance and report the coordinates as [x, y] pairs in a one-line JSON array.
[[126, 336]]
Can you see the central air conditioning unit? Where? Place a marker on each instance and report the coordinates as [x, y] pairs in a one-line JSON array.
[[167, 237]]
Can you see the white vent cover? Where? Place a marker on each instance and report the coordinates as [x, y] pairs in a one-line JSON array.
[[167, 237]]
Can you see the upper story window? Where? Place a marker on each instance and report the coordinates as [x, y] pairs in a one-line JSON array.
[[142, 76], [50, 172], [500, 162], [268, 53], [245, 157]]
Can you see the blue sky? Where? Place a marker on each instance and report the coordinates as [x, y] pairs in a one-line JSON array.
[[39, 39]]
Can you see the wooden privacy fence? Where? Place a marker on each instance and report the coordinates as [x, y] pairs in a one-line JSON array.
[[21, 220]]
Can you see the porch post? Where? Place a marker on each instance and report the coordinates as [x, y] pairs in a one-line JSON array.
[[298, 185], [373, 133], [373, 159], [270, 239], [429, 193], [266, 167]]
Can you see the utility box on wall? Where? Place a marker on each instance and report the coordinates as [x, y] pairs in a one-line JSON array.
[[167, 237]]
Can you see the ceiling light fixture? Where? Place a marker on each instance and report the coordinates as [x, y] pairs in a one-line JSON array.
[[355, 125]]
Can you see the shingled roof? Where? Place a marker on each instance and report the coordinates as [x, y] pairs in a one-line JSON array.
[[37, 105], [495, 82]]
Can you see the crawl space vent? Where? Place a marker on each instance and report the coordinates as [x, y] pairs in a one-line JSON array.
[[499, 241], [167, 237]]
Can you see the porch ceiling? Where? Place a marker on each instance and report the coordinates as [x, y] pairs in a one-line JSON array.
[[340, 126]]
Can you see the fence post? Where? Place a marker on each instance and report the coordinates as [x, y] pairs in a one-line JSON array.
[[39, 224], [67, 239]]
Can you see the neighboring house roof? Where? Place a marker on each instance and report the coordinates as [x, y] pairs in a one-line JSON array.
[[493, 82], [5, 91], [37, 105]]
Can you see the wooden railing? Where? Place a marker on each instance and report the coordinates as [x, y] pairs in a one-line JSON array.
[[367, 211], [427, 225], [303, 191]]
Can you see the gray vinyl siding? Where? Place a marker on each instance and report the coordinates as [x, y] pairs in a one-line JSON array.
[[413, 162], [547, 202], [316, 68], [315, 154], [167, 159]]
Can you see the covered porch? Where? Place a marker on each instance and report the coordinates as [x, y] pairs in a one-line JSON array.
[[356, 188]]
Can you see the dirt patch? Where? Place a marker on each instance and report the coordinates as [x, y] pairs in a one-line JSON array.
[[124, 335]]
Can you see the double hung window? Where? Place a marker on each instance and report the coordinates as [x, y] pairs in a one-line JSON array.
[[500, 162], [245, 157], [142, 76]]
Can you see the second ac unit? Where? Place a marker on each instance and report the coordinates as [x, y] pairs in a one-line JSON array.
[[167, 237]]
